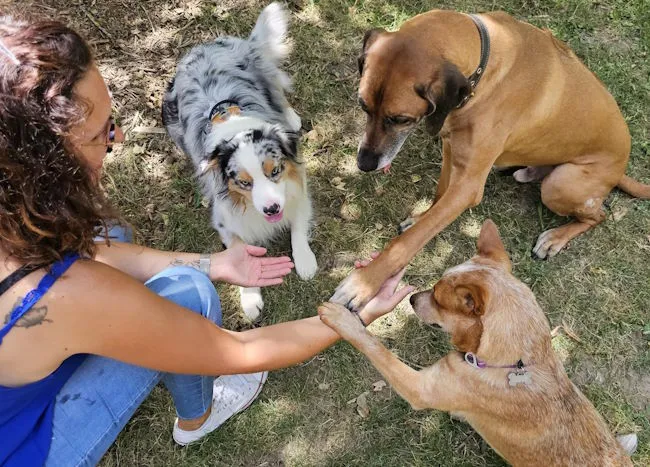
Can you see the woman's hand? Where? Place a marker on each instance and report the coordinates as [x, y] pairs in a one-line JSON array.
[[245, 265], [388, 296]]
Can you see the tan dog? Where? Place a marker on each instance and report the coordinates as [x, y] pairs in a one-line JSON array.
[[536, 105], [504, 380]]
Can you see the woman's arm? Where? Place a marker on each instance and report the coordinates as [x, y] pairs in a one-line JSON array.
[[108, 313], [241, 264]]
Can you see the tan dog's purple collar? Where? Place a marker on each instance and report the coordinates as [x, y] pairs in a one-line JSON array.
[[519, 376]]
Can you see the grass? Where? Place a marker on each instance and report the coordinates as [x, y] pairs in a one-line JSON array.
[[599, 288]]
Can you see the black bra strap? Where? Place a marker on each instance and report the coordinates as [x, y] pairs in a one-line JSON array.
[[16, 276]]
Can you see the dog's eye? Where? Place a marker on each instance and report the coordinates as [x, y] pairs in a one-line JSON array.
[[244, 183], [399, 120], [363, 106], [276, 171]]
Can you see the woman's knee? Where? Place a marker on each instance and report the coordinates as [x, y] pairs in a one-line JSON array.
[[190, 289]]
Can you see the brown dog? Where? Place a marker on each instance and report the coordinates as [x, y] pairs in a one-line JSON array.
[[504, 380], [536, 105]]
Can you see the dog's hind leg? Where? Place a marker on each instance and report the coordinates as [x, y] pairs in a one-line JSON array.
[[250, 297], [532, 174], [574, 190], [251, 302]]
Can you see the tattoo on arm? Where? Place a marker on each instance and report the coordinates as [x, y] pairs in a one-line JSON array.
[[201, 264], [35, 316], [179, 262]]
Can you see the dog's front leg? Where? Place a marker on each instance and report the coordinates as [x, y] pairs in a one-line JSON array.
[[424, 389], [465, 190], [303, 257]]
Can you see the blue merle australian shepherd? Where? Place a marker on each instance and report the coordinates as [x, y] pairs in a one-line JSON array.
[[226, 108]]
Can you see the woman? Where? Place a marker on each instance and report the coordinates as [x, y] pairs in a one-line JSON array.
[[90, 328]]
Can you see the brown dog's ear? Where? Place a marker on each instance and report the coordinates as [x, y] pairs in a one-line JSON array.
[[368, 39], [490, 246], [443, 95]]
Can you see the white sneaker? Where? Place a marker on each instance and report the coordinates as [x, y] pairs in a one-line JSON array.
[[230, 395]]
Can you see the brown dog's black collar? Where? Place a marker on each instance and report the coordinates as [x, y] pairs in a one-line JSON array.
[[475, 77]]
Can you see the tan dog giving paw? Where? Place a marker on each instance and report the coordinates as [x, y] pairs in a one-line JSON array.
[[504, 379]]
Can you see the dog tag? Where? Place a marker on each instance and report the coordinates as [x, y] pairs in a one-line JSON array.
[[520, 377]]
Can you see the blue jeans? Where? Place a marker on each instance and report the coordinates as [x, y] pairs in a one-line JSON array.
[[103, 394]]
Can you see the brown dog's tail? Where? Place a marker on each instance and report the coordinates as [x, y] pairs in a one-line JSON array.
[[634, 188]]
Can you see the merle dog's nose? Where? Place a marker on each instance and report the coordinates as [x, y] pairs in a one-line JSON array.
[[367, 160], [272, 210]]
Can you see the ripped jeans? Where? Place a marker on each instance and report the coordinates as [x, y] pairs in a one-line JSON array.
[[98, 400]]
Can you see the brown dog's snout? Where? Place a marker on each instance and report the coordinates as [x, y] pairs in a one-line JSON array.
[[367, 160]]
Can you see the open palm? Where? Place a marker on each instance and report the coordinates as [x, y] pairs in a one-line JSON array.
[[246, 265]]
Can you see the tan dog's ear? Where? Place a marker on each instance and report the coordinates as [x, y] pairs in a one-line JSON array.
[[490, 246], [472, 298], [368, 39], [444, 95]]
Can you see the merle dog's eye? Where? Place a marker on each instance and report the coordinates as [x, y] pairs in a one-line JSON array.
[[244, 183], [399, 120], [276, 171]]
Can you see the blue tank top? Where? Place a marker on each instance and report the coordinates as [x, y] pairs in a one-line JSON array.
[[26, 412]]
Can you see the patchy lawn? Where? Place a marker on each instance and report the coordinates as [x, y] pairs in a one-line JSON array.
[[598, 290]]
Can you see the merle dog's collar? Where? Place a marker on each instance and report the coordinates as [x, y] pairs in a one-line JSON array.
[[222, 110], [475, 77]]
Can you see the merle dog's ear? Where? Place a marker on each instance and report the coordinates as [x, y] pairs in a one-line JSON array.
[[218, 157], [287, 139], [368, 39], [443, 95], [289, 143]]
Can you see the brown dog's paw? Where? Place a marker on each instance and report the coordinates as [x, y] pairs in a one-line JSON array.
[[550, 243], [358, 288]]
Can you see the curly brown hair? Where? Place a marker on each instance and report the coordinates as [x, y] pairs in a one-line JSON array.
[[50, 202]]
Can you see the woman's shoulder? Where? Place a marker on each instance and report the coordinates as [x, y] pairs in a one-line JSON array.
[[53, 327]]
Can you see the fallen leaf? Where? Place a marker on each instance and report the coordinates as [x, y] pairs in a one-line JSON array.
[[619, 212], [137, 149], [569, 332], [379, 385], [338, 183], [323, 386], [362, 405], [379, 226], [350, 212], [416, 178]]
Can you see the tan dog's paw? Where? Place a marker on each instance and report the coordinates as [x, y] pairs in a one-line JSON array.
[[550, 243], [341, 320]]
